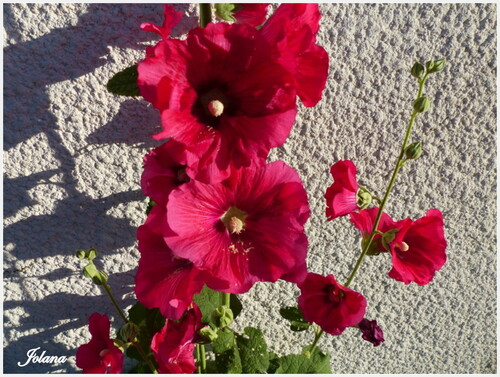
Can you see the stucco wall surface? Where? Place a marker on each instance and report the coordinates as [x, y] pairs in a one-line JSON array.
[[73, 157]]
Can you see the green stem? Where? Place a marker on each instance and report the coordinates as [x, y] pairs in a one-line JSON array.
[[399, 164], [205, 14], [226, 299], [203, 358], [198, 357], [107, 288], [316, 338]]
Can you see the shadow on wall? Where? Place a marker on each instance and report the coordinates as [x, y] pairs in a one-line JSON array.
[[78, 220]]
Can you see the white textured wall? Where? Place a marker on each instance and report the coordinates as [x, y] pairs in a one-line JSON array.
[[73, 155]]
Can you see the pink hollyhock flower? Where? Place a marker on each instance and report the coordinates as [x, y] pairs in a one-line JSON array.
[[252, 14], [344, 195], [221, 95], [100, 355], [163, 280], [330, 305], [172, 18], [364, 221], [292, 31], [164, 169], [418, 249], [246, 229], [371, 332], [173, 346]]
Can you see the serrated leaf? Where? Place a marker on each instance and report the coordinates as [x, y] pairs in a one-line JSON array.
[[225, 341], [207, 300], [229, 361], [299, 326], [253, 351], [148, 321], [124, 83], [294, 315]]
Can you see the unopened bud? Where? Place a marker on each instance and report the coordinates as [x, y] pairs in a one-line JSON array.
[[80, 254], [208, 334], [388, 237], [91, 254], [222, 316], [413, 150], [364, 198], [434, 66], [422, 104], [417, 70], [128, 332]]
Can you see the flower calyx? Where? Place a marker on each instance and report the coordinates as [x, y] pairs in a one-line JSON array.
[[364, 198]]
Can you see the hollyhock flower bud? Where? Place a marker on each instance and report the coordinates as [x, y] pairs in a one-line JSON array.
[[371, 332], [330, 305], [173, 346], [246, 229], [345, 195], [418, 249], [100, 355]]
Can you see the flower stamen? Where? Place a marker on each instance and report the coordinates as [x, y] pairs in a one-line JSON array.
[[403, 246], [234, 220], [215, 107]]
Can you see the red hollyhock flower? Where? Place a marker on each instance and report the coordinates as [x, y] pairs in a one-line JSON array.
[[220, 95], [330, 305], [164, 169], [344, 195], [418, 249], [371, 332], [251, 14], [292, 31], [172, 18], [100, 355], [246, 229], [163, 280], [364, 221], [173, 346]]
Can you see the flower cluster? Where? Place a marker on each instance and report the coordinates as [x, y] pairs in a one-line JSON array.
[[222, 215]]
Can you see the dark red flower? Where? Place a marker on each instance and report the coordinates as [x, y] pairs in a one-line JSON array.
[[330, 305], [344, 195], [252, 14], [371, 332], [418, 249], [292, 31], [172, 18], [246, 229], [164, 280], [220, 95], [173, 346], [164, 169], [100, 355]]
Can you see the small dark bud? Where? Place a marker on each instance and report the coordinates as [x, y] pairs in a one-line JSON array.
[[371, 332], [434, 66], [80, 254], [417, 70], [422, 104], [413, 150]]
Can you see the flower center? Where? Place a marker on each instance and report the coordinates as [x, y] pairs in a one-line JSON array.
[[403, 246], [181, 175], [234, 220], [215, 107]]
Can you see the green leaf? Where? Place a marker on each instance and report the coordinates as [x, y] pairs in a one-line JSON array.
[[90, 270], [124, 83], [253, 351], [225, 341], [294, 315], [235, 305], [301, 364], [149, 322], [207, 300], [229, 361]]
